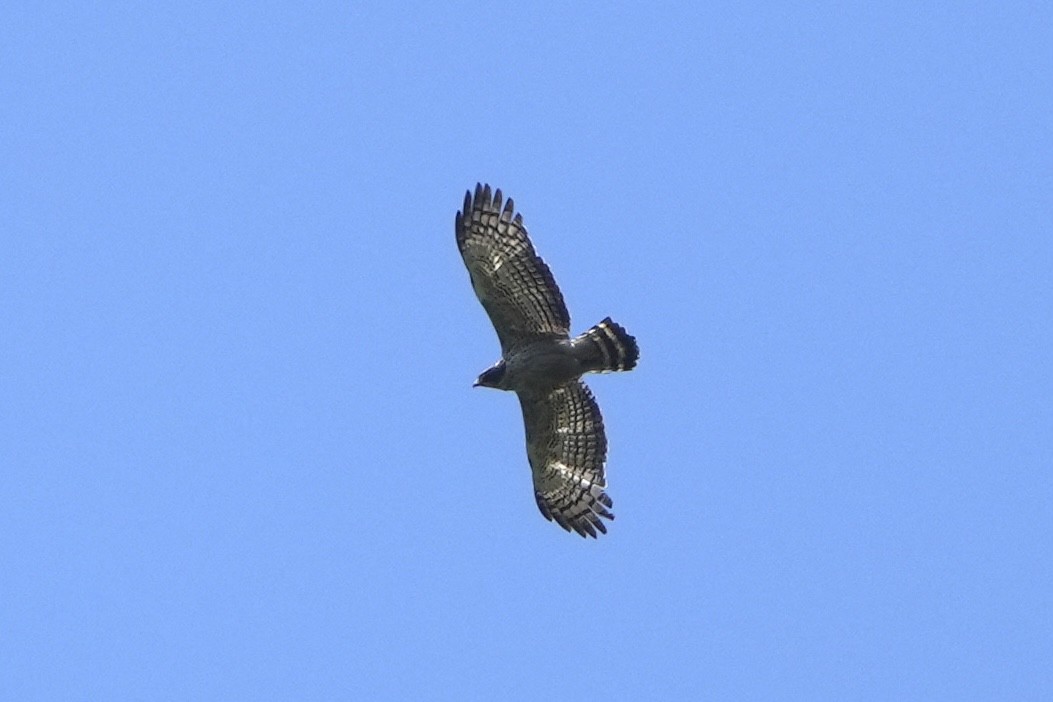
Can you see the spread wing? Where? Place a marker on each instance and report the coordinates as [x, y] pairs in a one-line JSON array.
[[510, 279], [567, 449]]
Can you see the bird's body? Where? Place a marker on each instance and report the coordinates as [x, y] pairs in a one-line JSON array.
[[541, 363]]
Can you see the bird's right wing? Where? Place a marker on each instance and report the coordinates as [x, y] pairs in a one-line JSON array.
[[514, 285], [567, 448]]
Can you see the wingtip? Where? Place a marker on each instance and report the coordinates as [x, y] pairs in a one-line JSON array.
[[491, 199], [506, 213], [486, 198]]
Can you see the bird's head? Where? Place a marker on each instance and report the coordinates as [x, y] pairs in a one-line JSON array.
[[491, 377]]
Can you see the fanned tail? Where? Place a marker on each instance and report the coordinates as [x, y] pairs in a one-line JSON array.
[[607, 347]]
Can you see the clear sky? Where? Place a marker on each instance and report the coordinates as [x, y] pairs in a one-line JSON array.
[[240, 453]]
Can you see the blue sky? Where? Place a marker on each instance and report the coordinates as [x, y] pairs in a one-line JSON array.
[[241, 454]]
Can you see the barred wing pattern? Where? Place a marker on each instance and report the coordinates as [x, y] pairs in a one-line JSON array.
[[515, 286], [567, 448]]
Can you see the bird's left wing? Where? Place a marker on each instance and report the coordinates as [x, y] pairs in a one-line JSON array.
[[514, 284]]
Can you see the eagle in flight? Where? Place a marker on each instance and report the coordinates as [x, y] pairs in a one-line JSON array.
[[566, 444]]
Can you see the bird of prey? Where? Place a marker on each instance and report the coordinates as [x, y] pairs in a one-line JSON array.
[[541, 363]]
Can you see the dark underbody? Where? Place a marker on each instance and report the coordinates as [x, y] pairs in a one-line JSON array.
[[535, 368]]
